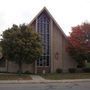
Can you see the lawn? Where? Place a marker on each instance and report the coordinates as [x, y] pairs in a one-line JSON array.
[[88, 65], [14, 77], [63, 76]]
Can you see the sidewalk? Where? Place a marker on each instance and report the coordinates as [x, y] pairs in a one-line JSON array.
[[38, 79]]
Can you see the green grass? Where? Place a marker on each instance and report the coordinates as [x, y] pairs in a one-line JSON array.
[[14, 77], [88, 65], [63, 76]]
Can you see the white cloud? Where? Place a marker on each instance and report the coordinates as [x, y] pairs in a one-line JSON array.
[[66, 12]]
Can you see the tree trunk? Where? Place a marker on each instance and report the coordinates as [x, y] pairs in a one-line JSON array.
[[20, 67]]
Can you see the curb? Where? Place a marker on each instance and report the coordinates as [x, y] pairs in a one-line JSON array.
[[42, 81]]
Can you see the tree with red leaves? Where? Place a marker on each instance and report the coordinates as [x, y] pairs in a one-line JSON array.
[[79, 47]]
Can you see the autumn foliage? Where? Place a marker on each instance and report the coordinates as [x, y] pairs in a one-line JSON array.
[[79, 47]]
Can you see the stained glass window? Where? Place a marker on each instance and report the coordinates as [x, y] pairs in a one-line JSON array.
[[43, 29]]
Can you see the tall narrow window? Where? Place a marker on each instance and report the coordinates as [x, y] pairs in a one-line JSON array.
[[43, 30]]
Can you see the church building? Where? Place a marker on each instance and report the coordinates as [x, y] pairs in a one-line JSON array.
[[54, 41]]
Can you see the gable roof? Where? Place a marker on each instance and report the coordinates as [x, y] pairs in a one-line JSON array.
[[45, 9]]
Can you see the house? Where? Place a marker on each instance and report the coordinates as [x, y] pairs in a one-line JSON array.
[[54, 43]]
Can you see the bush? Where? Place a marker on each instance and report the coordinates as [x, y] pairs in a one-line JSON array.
[[27, 72], [72, 70], [18, 72], [86, 70], [59, 70]]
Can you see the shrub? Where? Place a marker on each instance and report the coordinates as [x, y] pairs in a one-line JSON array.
[[27, 72], [18, 72], [72, 70], [80, 66], [59, 70], [86, 70]]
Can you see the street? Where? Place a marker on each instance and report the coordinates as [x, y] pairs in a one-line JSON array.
[[48, 86]]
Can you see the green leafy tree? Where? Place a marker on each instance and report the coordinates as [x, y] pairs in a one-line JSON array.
[[21, 45]]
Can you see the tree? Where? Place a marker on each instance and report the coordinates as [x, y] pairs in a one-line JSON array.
[[21, 45], [79, 47]]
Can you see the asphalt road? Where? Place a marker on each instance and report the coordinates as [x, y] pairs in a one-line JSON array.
[[48, 86]]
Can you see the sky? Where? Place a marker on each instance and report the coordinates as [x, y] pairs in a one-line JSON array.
[[67, 13]]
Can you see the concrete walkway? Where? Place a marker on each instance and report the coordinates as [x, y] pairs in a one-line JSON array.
[[37, 78]]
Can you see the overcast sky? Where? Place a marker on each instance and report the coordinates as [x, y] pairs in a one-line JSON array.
[[67, 13]]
